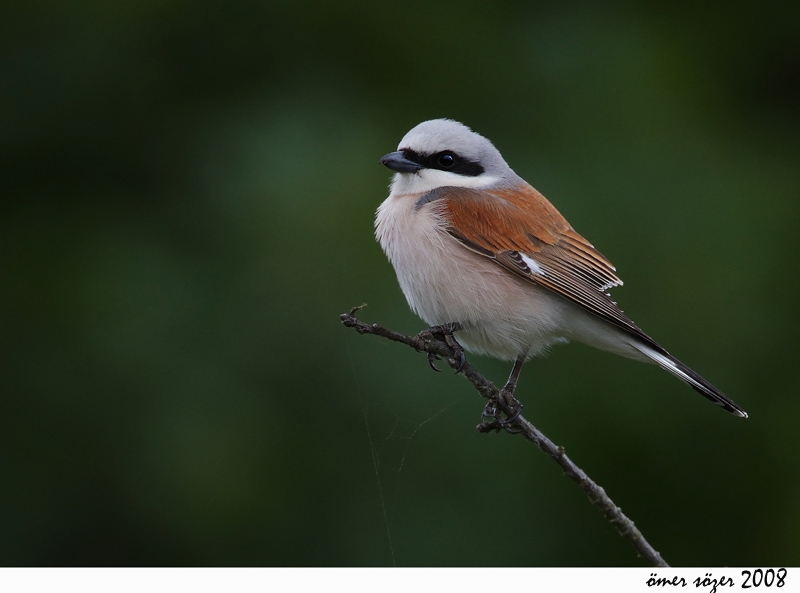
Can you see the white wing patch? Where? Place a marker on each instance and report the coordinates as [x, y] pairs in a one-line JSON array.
[[532, 265]]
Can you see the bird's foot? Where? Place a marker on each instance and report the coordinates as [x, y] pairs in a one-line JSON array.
[[444, 333], [492, 415]]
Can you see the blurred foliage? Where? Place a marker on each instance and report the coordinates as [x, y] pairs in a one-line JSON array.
[[188, 194]]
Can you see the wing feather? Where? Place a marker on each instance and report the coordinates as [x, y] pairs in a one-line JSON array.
[[513, 223]]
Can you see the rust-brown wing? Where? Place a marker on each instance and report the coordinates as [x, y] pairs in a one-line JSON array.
[[523, 232]]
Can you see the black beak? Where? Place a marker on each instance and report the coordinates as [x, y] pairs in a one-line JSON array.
[[396, 161]]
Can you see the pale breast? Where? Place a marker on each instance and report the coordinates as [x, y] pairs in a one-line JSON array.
[[503, 315]]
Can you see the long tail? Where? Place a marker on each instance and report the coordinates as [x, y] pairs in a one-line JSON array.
[[669, 363]]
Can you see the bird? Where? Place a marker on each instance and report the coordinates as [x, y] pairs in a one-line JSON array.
[[494, 268]]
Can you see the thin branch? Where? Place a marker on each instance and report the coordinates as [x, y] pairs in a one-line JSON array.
[[596, 494]]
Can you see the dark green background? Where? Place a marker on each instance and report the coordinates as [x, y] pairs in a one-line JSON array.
[[188, 192]]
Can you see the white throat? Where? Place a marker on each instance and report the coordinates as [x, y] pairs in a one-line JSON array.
[[429, 179]]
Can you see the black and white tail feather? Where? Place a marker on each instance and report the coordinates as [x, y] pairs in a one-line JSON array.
[[671, 364]]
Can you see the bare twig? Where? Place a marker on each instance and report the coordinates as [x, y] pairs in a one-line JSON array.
[[596, 494]]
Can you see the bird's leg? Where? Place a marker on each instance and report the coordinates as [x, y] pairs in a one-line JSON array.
[[507, 392], [505, 402], [445, 333]]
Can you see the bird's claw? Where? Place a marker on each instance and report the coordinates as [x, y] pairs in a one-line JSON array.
[[445, 333], [458, 352], [492, 415]]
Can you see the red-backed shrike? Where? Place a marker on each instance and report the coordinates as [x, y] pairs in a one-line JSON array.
[[481, 253]]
